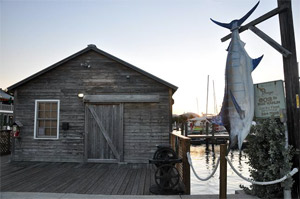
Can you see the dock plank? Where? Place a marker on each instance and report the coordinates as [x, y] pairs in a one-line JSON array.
[[80, 178], [142, 180], [118, 183]]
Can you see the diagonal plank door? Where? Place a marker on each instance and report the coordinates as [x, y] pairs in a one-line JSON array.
[[104, 127]]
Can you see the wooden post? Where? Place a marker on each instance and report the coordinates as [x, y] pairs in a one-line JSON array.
[[206, 139], [214, 140], [290, 68], [185, 166], [186, 129], [223, 172]]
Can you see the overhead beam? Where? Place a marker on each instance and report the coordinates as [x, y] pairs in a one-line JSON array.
[[270, 41], [154, 98], [258, 20]]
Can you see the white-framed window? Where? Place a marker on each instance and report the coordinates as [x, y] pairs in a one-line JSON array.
[[46, 120]]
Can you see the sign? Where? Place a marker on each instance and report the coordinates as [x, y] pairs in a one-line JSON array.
[[268, 99]]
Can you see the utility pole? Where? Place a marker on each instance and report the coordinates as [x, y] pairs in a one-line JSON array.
[[291, 77]]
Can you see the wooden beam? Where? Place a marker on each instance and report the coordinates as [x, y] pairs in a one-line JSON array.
[[291, 72], [121, 98], [270, 41], [258, 20], [103, 160]]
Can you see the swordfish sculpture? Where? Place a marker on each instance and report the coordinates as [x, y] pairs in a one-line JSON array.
[[238, 103]]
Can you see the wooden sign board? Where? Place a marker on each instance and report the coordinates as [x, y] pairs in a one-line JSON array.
[[269, 98]]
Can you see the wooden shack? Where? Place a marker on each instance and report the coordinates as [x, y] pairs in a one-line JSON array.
[[91, 107]]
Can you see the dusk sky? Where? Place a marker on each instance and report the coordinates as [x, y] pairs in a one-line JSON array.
[[171, 39]]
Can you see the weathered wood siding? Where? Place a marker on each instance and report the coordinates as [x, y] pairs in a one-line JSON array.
[[145, 124]]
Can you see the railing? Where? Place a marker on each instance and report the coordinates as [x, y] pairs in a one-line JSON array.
[[181, 145], [6, 107], [5, 142]]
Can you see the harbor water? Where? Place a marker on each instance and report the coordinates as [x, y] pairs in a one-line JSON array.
[[205, 160]]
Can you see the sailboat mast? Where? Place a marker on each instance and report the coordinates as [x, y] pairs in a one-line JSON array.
[[207, 94], [215, 100]]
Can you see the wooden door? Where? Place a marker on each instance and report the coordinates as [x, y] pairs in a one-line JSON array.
[[104, 133]]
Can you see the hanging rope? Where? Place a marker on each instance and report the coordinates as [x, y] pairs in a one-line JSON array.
[[291, 173], [191, 165], [294, 171]]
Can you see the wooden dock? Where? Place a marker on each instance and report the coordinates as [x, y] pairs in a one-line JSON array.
[[80, 178]]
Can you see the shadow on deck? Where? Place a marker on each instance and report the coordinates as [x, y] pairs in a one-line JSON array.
[[81, 178]]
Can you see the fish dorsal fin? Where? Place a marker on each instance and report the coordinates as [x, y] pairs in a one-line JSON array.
[[242, 43], [255, 62], [237, 106]]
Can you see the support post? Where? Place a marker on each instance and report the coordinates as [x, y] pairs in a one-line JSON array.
[[206, 131], [186, 129], [223, 172], [291, 71]]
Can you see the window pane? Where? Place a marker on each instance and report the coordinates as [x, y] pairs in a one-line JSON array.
[[41, 131], [53, 124], [54, 114], [41, 114], [47, 123], [54, 106], [54, 132], [47, 132], [48, 106], [47, 114], [41, 123], [41, 106]]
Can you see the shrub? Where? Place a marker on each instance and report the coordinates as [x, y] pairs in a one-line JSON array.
[[268, 158]]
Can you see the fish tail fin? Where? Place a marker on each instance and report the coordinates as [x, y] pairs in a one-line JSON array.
[[255, 62], [239, 21], [237, 106], [242, 136], [240, 143], [224, 25], [243, 19], [233, 140]]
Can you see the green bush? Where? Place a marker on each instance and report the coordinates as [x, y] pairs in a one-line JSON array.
[[267, 158]]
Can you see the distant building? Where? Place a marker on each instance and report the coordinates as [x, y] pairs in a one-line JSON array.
[[92, 107], [6, 110]]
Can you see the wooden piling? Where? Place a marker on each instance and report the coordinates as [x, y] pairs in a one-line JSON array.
[[223, 172], [291, 71], [186, 129]]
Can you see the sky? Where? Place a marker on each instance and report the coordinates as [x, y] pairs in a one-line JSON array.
[[171, 39]]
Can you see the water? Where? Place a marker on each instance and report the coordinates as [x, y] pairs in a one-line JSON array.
[[205, 160]]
